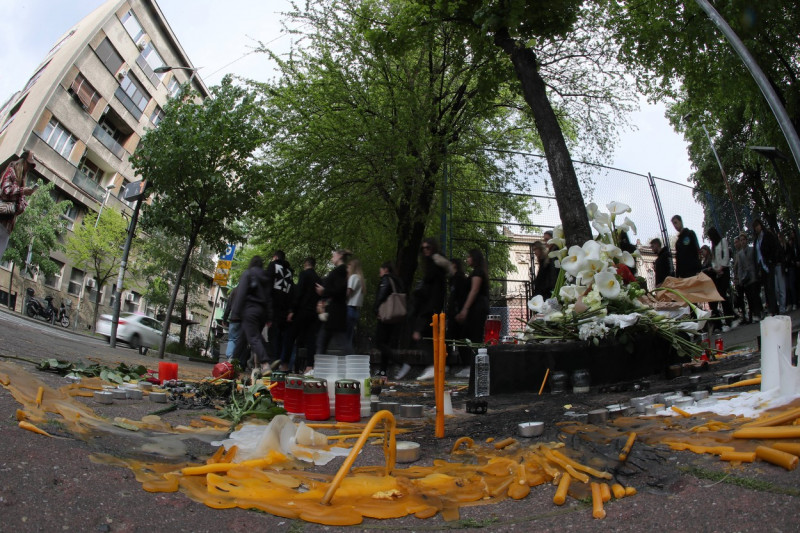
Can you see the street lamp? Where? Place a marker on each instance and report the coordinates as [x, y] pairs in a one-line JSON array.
[[168, 68], [105, 199]]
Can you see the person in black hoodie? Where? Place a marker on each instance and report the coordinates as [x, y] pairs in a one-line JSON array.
[[333, 290], [687, 250], [769, 264], [663, 265], [303, 313], [281, 280], [252, 307]]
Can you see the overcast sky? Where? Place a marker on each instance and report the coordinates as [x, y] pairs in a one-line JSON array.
[[219, 37]]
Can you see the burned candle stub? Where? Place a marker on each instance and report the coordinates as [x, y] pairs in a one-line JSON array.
[[410, 411], [407, 451], [158, 397], [134, 394], [598, 416], [120, 394], [104, 397], [392, 407], [530, 429]]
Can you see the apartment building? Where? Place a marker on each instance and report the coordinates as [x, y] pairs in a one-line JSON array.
[[83, 111]]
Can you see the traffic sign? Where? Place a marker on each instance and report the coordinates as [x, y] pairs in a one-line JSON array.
[[229, 251]]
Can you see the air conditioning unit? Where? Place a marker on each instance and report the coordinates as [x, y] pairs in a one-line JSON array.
[[130, 297], [142, 43], [91, 283], [122, 73]]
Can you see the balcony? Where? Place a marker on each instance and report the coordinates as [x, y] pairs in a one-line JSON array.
[[128, 103], [108, 141], [89, 185]]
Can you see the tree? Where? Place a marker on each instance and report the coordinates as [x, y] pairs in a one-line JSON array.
[[162, 259], [362, 122], [36, 233], [198, 165], [96, 248], [526, 31], [679, 56]]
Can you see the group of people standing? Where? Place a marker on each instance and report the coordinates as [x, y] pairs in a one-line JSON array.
[[321, 315], [770, 263]]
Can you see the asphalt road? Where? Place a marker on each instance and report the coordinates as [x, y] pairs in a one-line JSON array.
[[51, 484]]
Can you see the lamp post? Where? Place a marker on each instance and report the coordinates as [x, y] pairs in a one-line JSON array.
[[102, 205], [168, 68]]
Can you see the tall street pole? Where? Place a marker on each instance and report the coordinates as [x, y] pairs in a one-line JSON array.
[[123, 264]]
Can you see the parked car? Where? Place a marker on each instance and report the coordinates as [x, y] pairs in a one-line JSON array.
[[134, 329]]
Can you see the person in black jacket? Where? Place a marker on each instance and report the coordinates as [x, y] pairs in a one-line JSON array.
[[333, 290], [687, 250], [303, 314], [547, 276], [281, 280], [769, 261], [663, 265], [252, 307], [384, 332]]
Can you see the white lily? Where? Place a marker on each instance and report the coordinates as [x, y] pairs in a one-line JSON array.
[[611, 250], [618, 208], [573, 262], [571, 293], [558, 232], [621, 321], [627, 225], [592, 249], [559, 254], [592, 267], [702, 315], [602, 229], [557, 241], [591, 210], [607, 284], [536, 304], [602, 218], [628, 260]]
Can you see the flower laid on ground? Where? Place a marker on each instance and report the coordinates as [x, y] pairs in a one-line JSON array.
[[597, 298]]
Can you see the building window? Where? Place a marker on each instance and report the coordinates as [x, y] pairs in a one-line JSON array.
[[132, 26], [90, 170], [173, 86], [132, 95], [69, 216], [36, 76], [109, 56], [132, 301], [157, 116], [12, 114], [83, 91], [76, 282], [58, 137], [149, 60], [54, 280]]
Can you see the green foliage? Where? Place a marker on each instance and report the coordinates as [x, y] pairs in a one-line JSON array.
[[38, 228], [96, 248], [362, 123], [199, 169], [121, 374], [679, 55], [253, 401]]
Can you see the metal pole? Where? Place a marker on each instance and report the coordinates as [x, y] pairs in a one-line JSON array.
[[123, 264], [662, 223], [758, 75], [213, 313], [724, 178]]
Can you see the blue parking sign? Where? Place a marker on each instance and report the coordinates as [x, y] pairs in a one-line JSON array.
[[229, 250]]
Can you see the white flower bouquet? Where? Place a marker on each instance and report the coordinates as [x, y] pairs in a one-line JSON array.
[[596, 298]]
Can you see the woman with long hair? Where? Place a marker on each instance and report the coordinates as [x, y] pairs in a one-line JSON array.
[[476, 307], [720, 265], [385, 332], [333, 290], [355, 297], [13, 193]]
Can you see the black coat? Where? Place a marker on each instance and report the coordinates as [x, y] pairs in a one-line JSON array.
[[335, 291], [545, 280], [252, 296], [385, 289], [304, 303], [281, 280], [663, 265], [687, 254]]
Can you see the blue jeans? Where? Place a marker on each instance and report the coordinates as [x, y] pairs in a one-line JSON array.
[[353, 314], [233, 336]]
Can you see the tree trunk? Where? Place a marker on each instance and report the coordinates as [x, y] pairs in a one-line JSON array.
[[571, 207], [174, 296], [11, 286], [412, 215], [185, 311]]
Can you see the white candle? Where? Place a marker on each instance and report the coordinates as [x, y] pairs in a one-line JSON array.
[[776, 344]]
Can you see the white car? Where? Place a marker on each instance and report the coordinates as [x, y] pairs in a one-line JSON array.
[[135, 330]]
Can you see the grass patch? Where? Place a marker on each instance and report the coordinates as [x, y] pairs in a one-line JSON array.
[[746, 483]]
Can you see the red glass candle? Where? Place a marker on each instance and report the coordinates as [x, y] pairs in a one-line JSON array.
[[316, 404], [293, 395], [279, 390], [491, 329], [348, 400]]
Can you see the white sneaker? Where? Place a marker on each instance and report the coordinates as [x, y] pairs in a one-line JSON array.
[[309, 373], [403, 371], [427, 374], [726, 329], [735, 323]]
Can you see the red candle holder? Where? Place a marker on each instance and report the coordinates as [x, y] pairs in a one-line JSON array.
[[491, 329], [293, 396], [316, 403], [348, 401]]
